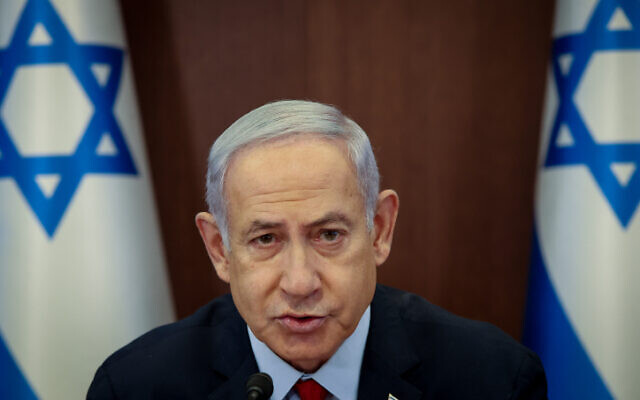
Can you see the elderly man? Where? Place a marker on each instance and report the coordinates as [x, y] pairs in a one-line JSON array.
[[298, 228]]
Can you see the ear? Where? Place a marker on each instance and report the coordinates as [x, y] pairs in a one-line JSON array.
[[212, 239], [384, 222]]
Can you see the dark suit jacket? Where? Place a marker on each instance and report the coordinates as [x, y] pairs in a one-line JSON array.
[[414, 350]]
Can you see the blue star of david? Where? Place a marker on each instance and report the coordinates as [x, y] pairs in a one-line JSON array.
[[597, 157], [63, 49]]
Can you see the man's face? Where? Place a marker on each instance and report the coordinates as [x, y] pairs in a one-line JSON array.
[[301, 265]]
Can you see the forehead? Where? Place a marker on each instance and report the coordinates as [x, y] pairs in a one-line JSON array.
[[299, 169]]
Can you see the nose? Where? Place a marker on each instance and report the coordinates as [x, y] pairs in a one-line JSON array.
[[300, 279]]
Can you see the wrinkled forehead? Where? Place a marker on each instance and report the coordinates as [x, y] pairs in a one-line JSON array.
[[293, 138], [259, 159], [293, 168]]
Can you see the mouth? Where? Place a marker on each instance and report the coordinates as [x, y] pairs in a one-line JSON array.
[[301, 323]]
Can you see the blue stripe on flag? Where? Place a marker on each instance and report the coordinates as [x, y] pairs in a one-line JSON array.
[[570, 372], [13, 384]]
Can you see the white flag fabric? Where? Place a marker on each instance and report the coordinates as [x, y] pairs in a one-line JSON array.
[[583, 314], [82, 269]]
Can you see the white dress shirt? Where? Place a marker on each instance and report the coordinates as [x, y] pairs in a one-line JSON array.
[[339, 375]]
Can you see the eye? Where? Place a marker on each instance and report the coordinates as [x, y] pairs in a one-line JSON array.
[[330, 235], [266, 240]]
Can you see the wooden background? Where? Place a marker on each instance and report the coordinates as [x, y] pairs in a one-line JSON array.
[[450, 93]]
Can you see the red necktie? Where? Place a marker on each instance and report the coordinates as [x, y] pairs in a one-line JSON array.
[[310, 390]]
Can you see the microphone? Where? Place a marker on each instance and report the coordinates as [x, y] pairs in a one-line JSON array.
[[259, 387]]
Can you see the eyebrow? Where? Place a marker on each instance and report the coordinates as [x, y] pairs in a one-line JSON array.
[[330, 217], [258, 225]]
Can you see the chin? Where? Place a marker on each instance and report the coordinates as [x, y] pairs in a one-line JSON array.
[[308, 367], [308, 363], [308, 357]]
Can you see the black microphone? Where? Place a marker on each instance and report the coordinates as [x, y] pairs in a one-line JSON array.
[[259, 386]]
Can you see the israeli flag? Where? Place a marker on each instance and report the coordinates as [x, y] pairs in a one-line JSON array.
[[82, 270], [583, 315]]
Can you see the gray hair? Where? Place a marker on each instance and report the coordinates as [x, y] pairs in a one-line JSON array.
[[282, 119]]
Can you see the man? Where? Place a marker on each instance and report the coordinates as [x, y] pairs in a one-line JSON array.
[[298, 228]]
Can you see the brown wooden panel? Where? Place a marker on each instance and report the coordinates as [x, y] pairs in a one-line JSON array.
[[450, 93]]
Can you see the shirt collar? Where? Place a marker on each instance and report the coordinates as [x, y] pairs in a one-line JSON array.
[[337, 375]]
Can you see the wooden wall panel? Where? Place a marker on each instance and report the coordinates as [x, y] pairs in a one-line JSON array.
[[450, 93]]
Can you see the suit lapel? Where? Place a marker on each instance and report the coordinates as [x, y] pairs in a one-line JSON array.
[[376, 383], [388, 355], [232, 359], [235, 386]]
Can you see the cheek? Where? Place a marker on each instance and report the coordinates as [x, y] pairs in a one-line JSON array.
[[252, 287], [250, 300], [359, 264], [352, 282]]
